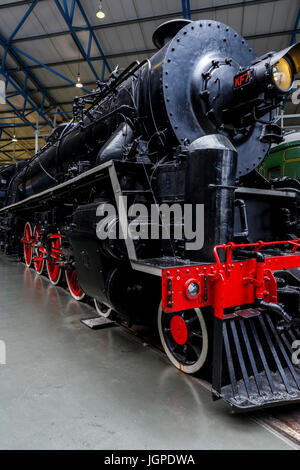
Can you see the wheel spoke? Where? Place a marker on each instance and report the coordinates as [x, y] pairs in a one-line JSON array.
[[54, 269], [190, 321], [39, 258], [194, 349], [196, 334]]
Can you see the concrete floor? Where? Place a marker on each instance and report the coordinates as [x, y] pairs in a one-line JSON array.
[[68, 387]]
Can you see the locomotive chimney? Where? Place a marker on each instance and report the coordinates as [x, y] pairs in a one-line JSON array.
[[211, 174], [166, 31]]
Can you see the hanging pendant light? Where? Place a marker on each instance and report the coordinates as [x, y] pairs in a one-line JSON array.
[[100, 13], [14, 139], [78, 84]]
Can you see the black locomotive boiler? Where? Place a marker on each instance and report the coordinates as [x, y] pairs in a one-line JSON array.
[[187, 129]]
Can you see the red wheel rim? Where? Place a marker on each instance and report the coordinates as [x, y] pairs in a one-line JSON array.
[[179, 330], [27, 244], [39, 258], [53, 268], [71, 277]]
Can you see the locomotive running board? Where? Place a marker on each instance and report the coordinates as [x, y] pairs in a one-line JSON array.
[[96, 171], [253, 366]]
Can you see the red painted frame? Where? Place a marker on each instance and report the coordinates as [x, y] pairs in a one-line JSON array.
[[229, 284]]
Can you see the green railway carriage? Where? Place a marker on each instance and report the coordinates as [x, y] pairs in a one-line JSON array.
[[284, 159]]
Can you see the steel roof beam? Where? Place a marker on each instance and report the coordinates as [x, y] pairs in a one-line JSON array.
[[45, 66], [24, 124], [93, 59], [296, 30], [146, 51], [21, 138], [22, 90], [147, 19], [16, 4], [68, 16], [6, 155], [20, 150], [22, 21], [186, 9], [293, 41], [19, 144]]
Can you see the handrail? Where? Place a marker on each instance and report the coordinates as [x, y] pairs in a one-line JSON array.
[[229, 247]]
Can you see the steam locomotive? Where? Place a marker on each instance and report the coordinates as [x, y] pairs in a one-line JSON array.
[[187, 130]]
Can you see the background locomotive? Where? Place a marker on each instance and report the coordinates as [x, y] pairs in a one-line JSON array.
[[188, 126], [284, 159]]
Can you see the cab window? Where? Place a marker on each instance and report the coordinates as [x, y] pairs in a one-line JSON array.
[[274, 172]]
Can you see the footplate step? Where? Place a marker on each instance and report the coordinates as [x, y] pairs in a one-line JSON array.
[[97, 323]]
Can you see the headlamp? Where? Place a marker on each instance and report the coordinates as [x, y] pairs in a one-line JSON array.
[[283, 74], [274, 72], [192, 289]]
